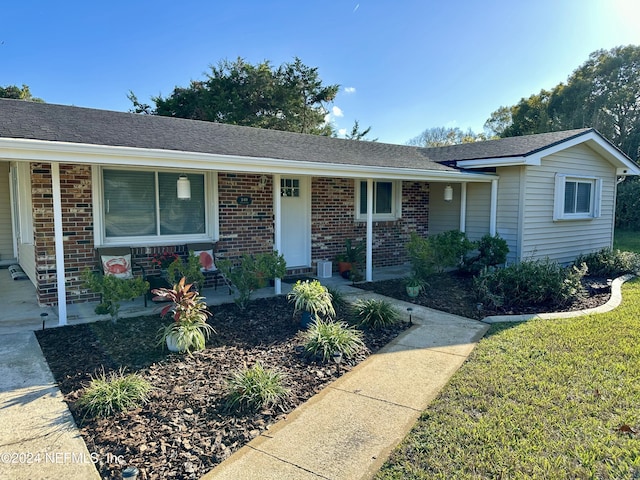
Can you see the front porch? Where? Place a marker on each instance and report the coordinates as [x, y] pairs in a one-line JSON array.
[[20, 311]]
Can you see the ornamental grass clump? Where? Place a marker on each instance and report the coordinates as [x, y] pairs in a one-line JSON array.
[[312, 297], [324, 338], [375, 314], [256, 387], [109, 394]]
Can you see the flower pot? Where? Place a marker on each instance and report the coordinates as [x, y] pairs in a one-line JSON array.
[[171, 344], [306, 319], [413, 292], [344, 267]]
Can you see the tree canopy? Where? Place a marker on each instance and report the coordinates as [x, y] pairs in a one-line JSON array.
[[443, 136], [17, 93], [603, 93], [290, 97]]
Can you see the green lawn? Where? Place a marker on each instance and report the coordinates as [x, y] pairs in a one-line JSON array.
[[627, 240], [542, 399]]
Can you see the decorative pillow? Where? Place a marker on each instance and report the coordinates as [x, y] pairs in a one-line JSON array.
[[117, 265], [206, 260]]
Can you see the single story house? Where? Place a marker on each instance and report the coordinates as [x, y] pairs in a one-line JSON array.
[[74, 179]]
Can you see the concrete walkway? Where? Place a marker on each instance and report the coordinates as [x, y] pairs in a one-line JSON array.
[[38, 437], [348, 430]]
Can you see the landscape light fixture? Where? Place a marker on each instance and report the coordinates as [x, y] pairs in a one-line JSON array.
[[409, 309], [184, 188], [337, 358], [448, 193]]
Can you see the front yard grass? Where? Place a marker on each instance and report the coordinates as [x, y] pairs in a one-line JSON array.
[[543, 399], [626, 240]]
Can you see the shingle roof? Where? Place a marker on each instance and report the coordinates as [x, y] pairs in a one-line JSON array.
[[61, 123], [58, 123], [503, 147]]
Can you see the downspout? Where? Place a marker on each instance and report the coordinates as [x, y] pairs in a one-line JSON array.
[[369, 261], [494, 208], [277, 226], [463, 207], [59, 244]]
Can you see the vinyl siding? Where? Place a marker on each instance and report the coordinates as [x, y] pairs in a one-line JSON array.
[[443, 216], [478, 210], [563, 240], [6, 231], [509, 209]]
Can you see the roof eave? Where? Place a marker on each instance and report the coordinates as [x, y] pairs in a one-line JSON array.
[[80, 153]]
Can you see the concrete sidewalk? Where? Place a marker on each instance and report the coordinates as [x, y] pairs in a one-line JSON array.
[[345, 432], [38, 437], [348, 430]]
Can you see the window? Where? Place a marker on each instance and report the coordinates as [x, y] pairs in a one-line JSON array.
[[386, 200], [144, 204], [577, 197]]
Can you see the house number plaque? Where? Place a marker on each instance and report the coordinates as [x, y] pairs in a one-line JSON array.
[[244, 200]]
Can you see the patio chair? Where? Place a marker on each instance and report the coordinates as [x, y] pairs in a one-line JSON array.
[[207, 253], [118, 261]]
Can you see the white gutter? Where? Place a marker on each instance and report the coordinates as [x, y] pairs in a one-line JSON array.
[[277, 227], [38, 150], [59, 244]]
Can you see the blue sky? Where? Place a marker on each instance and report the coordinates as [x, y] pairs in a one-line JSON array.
[[403, 65]]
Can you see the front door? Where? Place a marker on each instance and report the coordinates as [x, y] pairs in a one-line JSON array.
[[296, 221]]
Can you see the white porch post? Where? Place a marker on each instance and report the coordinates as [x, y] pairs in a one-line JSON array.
[[463, 207], [277, 226], [59, 243], [369, 261], [494, 208]]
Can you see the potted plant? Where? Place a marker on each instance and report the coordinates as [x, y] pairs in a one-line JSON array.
[[414, 284], [351, 256], [269, 265], [188, 310], [312, 299], [163, 260]]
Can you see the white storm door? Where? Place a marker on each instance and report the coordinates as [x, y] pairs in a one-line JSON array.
[[296, 221]]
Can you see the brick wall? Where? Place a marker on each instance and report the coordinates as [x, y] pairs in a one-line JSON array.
[[332, 220], [77, 229], [245, 228]]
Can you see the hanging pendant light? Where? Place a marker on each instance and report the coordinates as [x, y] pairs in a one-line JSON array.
[[184, 188], [448, 193]]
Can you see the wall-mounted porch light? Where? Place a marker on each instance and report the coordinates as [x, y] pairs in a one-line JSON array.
[[184, 188], [448, 193]]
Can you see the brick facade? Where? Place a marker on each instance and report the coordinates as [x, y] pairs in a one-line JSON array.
[[243, 228]]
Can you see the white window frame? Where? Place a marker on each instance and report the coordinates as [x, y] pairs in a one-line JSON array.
[[396, 201], [596, 197], [211, 211]]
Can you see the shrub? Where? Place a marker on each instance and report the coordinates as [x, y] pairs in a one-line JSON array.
[[530, 283], [113, 290], [375, 314], [322, 339], [256, 387], [492, 251], [628, 204], [117, 392], [437, 252], [609, 263]]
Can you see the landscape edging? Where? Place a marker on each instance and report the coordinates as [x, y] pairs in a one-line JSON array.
[[614, 301]]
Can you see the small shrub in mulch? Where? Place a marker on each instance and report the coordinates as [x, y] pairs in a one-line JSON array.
[[185, 428]]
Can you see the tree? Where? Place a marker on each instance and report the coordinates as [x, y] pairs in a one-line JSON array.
[[12, 91], [603, 93], [291, 97], [443, 136], [358, 135]]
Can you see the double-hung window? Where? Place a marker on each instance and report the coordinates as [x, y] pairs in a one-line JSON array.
[[386, 200], [143, 205], [577, 197]]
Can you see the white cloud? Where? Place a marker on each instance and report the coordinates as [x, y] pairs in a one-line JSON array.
[[349, 89], [336, 111]]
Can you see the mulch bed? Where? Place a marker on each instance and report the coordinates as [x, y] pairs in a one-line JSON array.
[[452, 292], [185, 429]]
